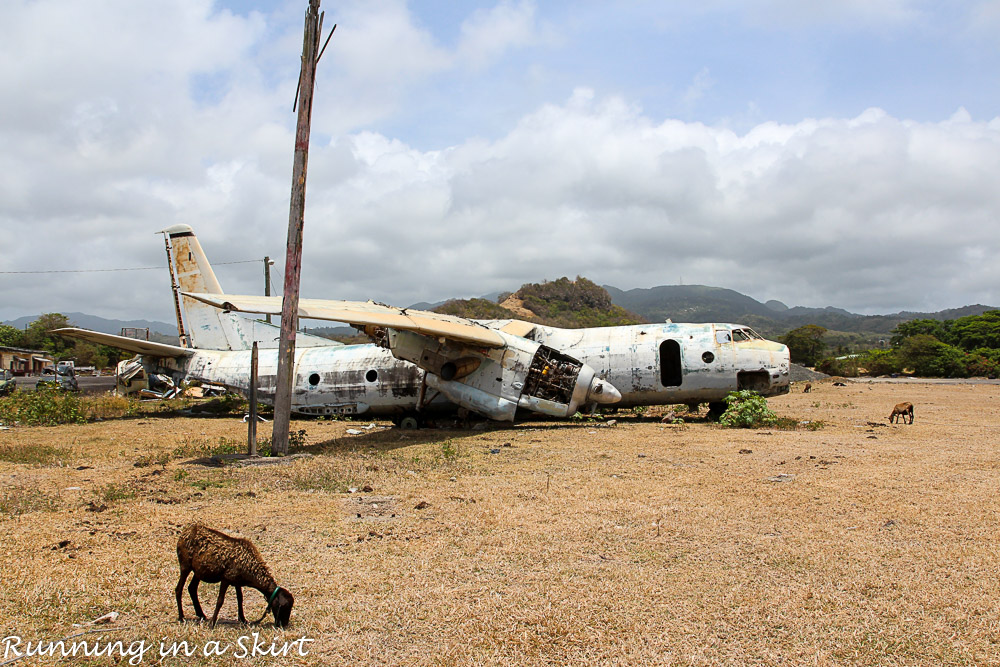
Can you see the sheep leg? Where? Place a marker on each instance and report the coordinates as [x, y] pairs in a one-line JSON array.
[[218, 605], [193, 590], [180, 592], [239, 604]]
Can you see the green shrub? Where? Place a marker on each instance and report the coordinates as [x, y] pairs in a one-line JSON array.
[[43, 407], [746, 409], [848, 367], [881, 362], [981, 365]]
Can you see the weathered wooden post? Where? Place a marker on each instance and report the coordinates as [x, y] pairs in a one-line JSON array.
[[268, 263], [252, 428], [296, 217]]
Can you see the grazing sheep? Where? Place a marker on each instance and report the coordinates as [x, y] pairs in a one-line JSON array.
[[807, 388], [231, 561], [901, 410]]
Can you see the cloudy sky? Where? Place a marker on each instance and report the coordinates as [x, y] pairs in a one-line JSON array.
[[841, 153]]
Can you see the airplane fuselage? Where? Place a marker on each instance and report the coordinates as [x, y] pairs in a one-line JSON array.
[[659, 364], [652, 364]]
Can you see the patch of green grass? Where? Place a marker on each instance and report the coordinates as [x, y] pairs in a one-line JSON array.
[[210, 483], [113, 493], [326, 478], [449, 450], [196, 449], [792, 424], [146, 460], [17, 501], [33, 454]]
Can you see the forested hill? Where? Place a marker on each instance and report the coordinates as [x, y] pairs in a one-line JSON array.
[[582, 303], [700, 303], [570, 304]]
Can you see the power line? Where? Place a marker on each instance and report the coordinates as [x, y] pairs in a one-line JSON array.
[[140, 268]]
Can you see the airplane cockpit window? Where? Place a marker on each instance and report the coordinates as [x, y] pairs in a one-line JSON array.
[[722, 336], [746, 333]]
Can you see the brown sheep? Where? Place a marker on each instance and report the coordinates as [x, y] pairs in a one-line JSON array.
[[231, 561], [807, 388], [901, 410]]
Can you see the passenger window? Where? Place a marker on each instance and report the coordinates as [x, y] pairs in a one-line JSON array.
[[722, 335]]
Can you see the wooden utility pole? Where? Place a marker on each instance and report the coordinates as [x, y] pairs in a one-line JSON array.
[[267, 281], [252, 428], [296, 217]]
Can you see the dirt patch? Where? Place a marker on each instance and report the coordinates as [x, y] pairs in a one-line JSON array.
[[840, 542]]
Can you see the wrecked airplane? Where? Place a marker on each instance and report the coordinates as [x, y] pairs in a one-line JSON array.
[[423, 361]]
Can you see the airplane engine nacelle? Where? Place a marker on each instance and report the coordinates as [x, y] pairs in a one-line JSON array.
[[496, 381]]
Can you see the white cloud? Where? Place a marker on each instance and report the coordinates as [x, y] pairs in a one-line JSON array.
[[131, 117], [699, 86], [871, 212], [488, 34]]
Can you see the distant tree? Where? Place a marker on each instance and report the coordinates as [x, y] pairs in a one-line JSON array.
[[926, 327], [11, 336], [976, 331], [805, 344], [881, 362], [39, 335], [929, 357], [980, 365], [476, 309], [849, 367]]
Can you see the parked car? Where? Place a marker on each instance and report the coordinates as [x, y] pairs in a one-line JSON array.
[[65, 379], [7, 384]]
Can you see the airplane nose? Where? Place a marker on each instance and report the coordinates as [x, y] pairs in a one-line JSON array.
[[602, 391]]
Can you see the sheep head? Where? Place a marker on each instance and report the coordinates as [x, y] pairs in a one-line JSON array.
[[281, 607]]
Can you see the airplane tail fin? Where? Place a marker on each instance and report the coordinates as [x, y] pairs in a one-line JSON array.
[[203, 326]]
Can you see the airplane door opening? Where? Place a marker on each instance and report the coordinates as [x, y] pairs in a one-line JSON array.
[[670, 363]]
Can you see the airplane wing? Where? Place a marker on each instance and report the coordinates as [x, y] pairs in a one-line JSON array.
[[491, 371], [128, 344], [364, 313]]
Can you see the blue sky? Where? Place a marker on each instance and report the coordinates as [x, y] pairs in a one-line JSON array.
[[837, 153]]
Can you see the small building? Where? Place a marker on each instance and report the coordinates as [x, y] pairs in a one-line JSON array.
[[20, 361]]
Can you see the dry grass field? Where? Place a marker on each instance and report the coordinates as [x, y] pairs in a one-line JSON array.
[[541, 543]]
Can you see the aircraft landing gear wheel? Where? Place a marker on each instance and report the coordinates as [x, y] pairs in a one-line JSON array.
[[409, 422], [715, 411]]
